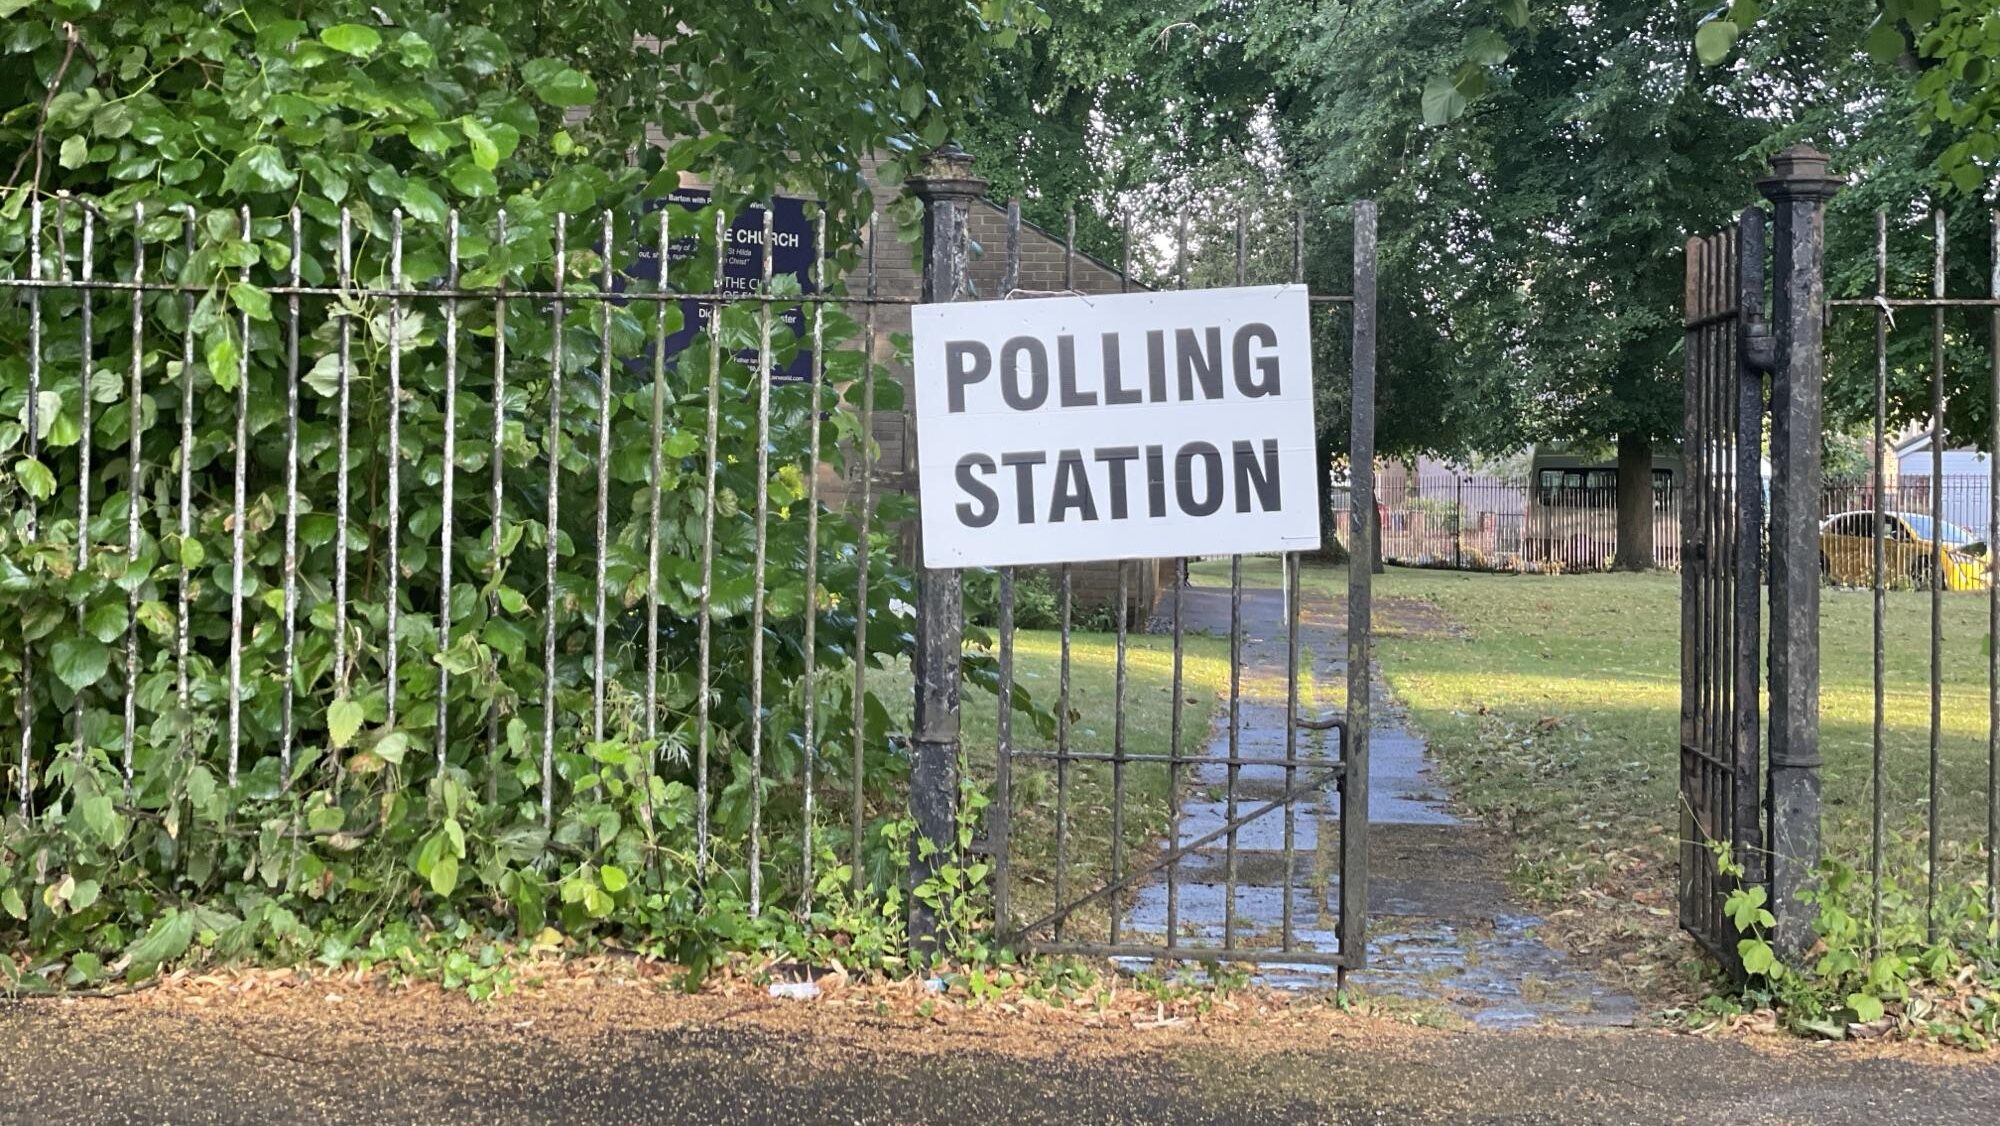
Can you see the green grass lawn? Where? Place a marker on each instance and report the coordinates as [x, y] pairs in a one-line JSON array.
[[1588, 668], [1554, 708]]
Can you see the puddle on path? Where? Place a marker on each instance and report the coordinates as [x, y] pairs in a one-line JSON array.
[[1442, 926]]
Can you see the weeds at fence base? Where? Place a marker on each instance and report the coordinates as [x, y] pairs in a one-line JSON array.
[[1857, 982]]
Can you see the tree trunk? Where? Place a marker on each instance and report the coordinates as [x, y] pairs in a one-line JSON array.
[[1635, 503]]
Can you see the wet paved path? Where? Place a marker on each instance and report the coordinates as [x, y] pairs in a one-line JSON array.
[[1442, 925]]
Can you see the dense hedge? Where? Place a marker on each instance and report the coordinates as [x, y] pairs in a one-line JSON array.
[[435, 109]]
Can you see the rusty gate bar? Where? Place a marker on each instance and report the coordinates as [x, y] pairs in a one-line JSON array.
[[31, 418], [1878, 579], [1749, 353], [1721, 557], [1360, 602], [1936, 576], [1992, 587], [866, 455]]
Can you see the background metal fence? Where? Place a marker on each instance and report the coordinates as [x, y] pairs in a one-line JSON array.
[[1479, 522], [1898, 518]]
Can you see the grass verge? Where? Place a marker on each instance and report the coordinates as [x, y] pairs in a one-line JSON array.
[[1072, 818]]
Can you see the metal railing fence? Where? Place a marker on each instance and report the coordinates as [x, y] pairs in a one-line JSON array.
[[1479, 522], [1951, 865], [279, 490]]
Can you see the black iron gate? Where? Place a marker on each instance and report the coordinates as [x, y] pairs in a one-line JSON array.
[[1721, 555], [1261, 853]]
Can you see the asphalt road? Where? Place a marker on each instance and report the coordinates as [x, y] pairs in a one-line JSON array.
[[96, 1062]]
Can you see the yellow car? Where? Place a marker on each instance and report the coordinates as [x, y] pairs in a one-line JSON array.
[[1847, 552]]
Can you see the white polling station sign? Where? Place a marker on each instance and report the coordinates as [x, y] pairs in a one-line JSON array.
[[1133, 426]]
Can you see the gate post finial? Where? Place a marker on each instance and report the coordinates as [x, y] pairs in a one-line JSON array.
[[1799, 187], [948, 189]]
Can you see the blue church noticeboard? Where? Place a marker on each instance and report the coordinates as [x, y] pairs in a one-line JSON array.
[[742, 270]]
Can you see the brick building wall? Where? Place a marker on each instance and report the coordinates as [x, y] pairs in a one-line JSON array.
[[1045, 268]]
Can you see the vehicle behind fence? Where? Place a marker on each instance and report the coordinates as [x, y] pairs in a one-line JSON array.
[[1479, 522]]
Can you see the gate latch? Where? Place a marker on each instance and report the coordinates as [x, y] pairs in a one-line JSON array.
[[1760, 345]]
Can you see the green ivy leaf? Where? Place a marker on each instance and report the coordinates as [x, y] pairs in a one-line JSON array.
[[251, 300], [200, 786], [1885, 41], [75, 150], [485, 153], [100, 817], [355, 39], [1758, 957], [559, 85], [259, 168], [429, 138], [343, 721], [613, 878], [1866, 1008], [1442, 100], [391, 748], [423, 204], [106, 621], [35, 478], [112, 120], [468, 179], [444, 874], [167, 939], [222, 356], [1486, 47], [80, 661], [1714, 39]]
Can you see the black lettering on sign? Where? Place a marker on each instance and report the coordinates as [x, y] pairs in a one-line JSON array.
[[1116, 393], [1211, 460], [1156, 364], [1118, 457], [1156, 481], [1198, 363], [965, 362], [1024, 481], [1072, 488], [1037, 391], [988, 504], [1266, 365], [1249, 475], [1066, 375]]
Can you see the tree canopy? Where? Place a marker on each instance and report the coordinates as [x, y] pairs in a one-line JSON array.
[[1539, 168]]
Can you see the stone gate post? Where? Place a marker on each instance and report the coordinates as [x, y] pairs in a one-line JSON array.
[[1799, 187]]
